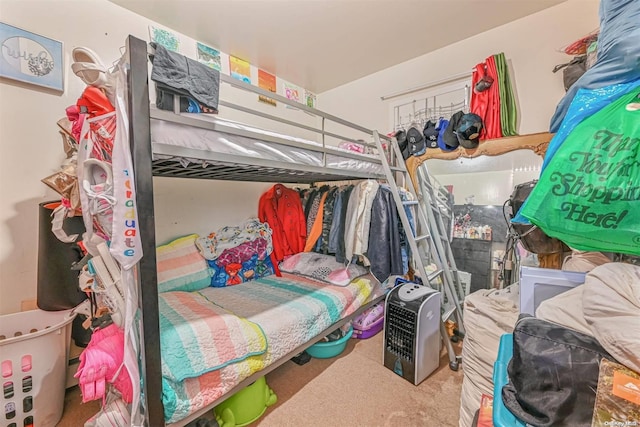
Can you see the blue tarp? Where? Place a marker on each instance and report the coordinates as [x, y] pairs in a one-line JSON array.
[[618, 58]]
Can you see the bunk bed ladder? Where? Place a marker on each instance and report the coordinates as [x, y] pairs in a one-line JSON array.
[[425, 239], [433, 205]]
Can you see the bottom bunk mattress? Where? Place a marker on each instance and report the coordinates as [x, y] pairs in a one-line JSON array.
[[213, 339]]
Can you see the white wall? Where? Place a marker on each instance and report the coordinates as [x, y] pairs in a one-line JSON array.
[[31, 149], [531, 46]]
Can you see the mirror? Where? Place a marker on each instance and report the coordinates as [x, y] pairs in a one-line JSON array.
[[483, 180]]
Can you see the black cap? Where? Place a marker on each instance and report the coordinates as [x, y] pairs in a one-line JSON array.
[[403, 144], [417, 145], [430, 134], [468, 130], [450, 139]]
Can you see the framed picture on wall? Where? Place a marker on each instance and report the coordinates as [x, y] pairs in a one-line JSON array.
[[31, 58]]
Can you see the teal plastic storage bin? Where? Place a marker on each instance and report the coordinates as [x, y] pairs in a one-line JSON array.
[[327, 350], [245, 406], [502, 417]]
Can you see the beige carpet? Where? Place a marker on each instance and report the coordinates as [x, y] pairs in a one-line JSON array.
[[353, 389]]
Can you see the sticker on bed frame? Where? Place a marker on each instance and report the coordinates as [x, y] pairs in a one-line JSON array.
[[292, 92], [309, 99], [266, 81], [165, 38], [208, 56], [240, 69]]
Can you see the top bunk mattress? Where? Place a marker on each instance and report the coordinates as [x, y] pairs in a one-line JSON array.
[[205, 145]]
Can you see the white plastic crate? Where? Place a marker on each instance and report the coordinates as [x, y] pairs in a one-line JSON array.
[[34, 348]]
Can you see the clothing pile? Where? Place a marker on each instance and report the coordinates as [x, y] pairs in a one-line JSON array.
[[566, 360], [238, 254]]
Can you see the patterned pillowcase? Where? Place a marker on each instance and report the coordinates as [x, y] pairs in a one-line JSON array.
[[322, 267], [181, 267]]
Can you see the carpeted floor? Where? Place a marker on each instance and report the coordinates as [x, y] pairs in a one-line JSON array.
[[353, 389]]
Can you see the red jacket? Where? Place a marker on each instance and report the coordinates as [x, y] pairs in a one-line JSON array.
[[280, 207]]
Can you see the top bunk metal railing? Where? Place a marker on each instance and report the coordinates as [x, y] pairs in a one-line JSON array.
[[277, 169]]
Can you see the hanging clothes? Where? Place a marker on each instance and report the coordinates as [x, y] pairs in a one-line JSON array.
[[404, 243], [340, 227], [315, 231], [313, 205], [508, 107], [280, 207], [358, 219], [486, 103], [384, 243], [327, 220]]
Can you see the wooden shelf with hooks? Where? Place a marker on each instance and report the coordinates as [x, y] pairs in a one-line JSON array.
[[537, 142]]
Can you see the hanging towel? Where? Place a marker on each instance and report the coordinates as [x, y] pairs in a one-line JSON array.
[[508, 107], [176, 74]]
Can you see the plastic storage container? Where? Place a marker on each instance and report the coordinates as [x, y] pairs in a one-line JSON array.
[[370, 322], [327, 350], [34, 347], [502, 417], [245, 406]]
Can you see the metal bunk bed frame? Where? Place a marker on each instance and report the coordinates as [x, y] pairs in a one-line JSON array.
[[219, 166]]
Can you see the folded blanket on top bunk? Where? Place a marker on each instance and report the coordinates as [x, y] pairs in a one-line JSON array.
[[290, 310], [175, 74]]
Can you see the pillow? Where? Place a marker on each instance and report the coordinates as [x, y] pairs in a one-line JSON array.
[[322, 267], [181, 267]]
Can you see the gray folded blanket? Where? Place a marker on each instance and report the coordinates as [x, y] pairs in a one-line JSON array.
[[176, 74]]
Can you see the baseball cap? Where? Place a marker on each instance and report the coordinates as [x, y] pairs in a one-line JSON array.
[[401, 138], [417, 146], [449, 137], [430, 134], [441, 126], [468, 130]]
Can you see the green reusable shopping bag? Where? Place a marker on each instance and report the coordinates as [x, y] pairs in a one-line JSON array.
[[589, 194]]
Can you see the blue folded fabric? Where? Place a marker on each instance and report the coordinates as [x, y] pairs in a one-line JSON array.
[[618, 60]]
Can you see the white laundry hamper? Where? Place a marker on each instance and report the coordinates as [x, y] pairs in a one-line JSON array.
[[34, 347]]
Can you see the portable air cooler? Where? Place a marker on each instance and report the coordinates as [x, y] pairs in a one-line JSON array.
[[412, 331]]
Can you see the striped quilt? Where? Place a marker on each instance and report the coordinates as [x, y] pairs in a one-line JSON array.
[[290, 310], [197, 336]]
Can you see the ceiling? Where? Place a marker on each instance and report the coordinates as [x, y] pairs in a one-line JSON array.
[[322, 44]]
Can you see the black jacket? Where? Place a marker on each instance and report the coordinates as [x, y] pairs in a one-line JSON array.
[[384, 237]]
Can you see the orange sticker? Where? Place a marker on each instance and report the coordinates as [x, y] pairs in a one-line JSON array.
[[485, 416], [626, 387]]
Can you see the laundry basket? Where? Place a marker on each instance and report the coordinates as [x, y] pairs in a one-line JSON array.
[[34, 347]]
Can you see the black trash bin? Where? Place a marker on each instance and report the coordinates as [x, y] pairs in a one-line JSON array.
[[57, 283]]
